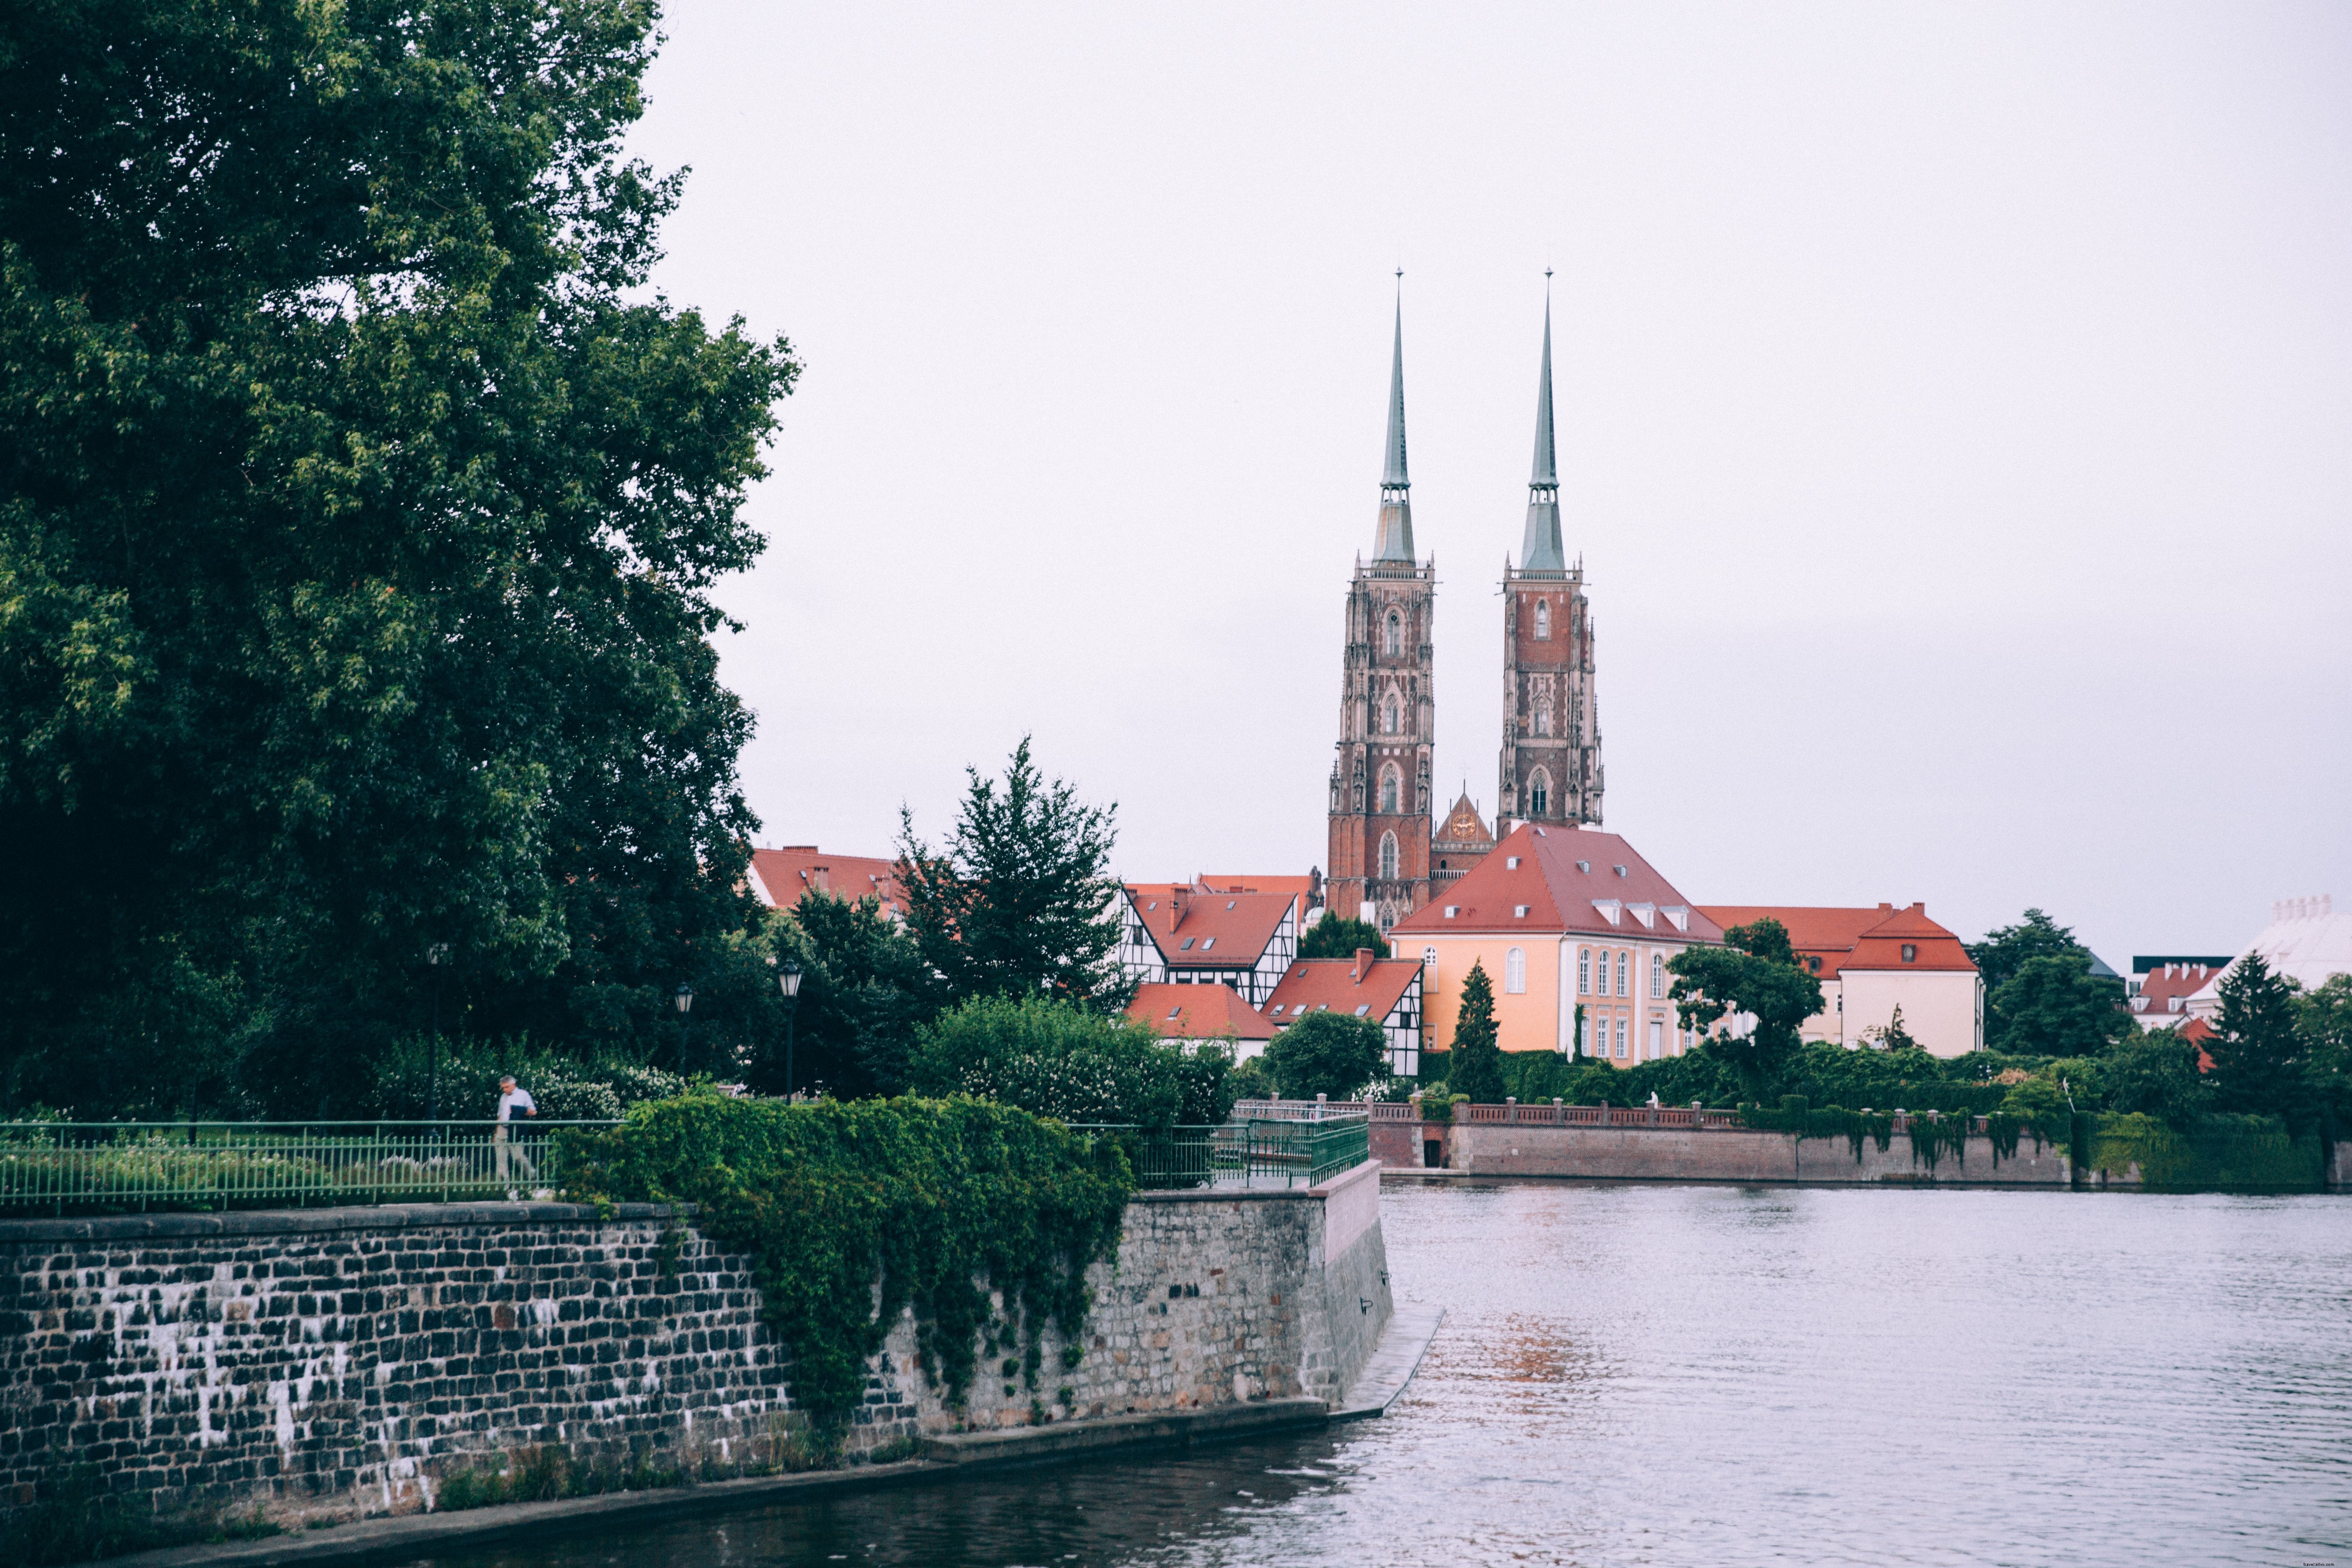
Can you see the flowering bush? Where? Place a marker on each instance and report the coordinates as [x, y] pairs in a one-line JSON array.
[[1053, 1059]]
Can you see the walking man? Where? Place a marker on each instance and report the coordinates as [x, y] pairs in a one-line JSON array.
[[514, 1105]]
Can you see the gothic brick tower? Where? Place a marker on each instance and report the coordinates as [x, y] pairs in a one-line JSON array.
[[1550, 768], [1388, 708]]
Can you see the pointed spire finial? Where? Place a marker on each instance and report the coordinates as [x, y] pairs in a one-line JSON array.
[[1394, 537], [1540, 551]]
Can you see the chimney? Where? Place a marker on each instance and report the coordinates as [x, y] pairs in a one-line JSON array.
[[1887, 909], [1176, 896], [1920, 909], [1363, 965]]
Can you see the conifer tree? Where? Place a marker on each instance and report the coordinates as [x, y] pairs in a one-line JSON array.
[[2256, 1059], [1477, 1069]]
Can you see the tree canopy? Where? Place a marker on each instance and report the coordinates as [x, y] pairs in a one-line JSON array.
[[2257, 1054], [1754, 976], [359, 516], [2053, 1007], [1336, 1054], [1474, 1058], [1020, 899], [1338, 936]]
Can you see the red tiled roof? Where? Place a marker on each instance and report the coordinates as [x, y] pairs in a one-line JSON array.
[[1317, 982], [1301, 890], [1855, 939], [1560, 876], [1196, 930], [2167, 982], [782, 876], [1198, 1013]]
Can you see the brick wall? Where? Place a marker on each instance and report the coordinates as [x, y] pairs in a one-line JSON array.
[[343, 1362]]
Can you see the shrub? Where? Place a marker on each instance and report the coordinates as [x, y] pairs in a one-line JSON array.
[[1334, 1054], [1055, 1059]]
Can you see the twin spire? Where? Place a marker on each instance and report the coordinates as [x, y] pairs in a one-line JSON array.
[[1540, 550]]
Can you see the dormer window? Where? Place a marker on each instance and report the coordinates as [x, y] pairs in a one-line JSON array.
[[1585, 867], [1187, 947], [1910, 953], [1453, 909], [1207, 942], [1619, 870], [1510, 862], [1362, 1008], [1518, 911], [1176, 1012]]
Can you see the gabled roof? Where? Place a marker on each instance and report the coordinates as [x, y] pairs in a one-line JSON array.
[[1198, 1013], [1313, 983], [1855, 939], [1464, 826], [780, 877], [1569, 880], [2164, 993], [1302, 890], [1196, 930]]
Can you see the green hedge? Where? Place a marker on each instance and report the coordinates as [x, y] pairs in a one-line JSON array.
[[2219, 1153]]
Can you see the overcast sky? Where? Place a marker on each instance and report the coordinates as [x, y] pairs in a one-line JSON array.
[[1955, 413]]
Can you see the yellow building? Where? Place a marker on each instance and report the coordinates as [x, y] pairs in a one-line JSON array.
[[1560, 917]]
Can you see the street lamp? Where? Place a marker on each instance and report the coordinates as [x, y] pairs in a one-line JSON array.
[[432, 957], [788, 981], [685, 1000]]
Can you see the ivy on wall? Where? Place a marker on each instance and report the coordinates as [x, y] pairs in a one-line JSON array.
[[1931, 1137], [928, 1198], [2237, 1154]]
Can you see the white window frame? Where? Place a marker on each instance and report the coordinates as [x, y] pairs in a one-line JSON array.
[[1515, 971]]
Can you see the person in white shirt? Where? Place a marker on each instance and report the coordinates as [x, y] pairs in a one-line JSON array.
[[514, 1104]]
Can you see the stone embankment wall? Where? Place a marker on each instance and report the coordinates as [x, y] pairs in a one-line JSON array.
[[342, 1363], [1717, 1154]]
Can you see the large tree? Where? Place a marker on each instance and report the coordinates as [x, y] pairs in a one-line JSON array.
[[1475, 1058], [865, 992], [2258, 1065], [2053, 1007], [358, 520], [1020, 898], [1335, 1054], [1756, 982]]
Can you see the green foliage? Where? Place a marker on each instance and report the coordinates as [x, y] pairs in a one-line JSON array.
[[2005, 952], [924, 1197], [2153, 1074], [2258, 1058], [1338, 936], [1021, 898], [2053, 1007], [1052, 1057], [1891, 1036], [2234, 1154], [565, 1086], [1475, 1060], [1336, 1054], [865, 994], [359, 511], [1252, 1080], [1756, 975]]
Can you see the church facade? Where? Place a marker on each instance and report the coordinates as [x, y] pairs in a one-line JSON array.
[[1384, 854]]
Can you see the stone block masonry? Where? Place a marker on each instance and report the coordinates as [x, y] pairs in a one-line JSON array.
[[1684, 1154], [342, 1363]]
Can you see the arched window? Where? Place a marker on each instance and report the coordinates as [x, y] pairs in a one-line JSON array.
[[1657, 975], [1543, 718], [1388, 917], [1387, 856], [1391, 790], [1539, 794], [1543, 620], [1514, 970], [1625, 976], [1584, 972], [1394, 642], [1389, 716]]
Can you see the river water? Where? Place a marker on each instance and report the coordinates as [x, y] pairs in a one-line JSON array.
[[1721, 1375]]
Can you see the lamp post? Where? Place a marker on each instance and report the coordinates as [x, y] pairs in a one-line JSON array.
[[432, 957], [685, 1000], [788, 981]]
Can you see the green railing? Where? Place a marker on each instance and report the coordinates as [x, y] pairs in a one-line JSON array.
[[1242, 1153], [118, 1167]]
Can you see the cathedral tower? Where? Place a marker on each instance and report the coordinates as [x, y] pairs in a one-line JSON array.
[[1388, 710], [1550, 768]]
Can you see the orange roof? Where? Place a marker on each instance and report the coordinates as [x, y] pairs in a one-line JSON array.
[[1198, 1013], [1314, 984], [1855, 939], [784, 877], [1566, 879], [1198, 930]]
